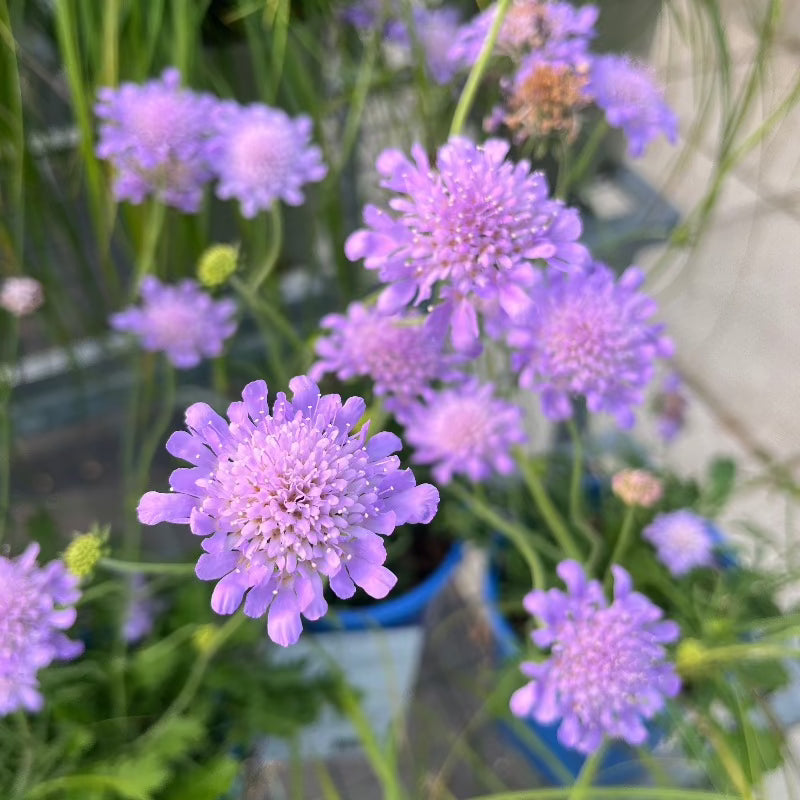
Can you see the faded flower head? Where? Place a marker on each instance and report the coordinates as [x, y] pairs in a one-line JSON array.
[[464, 430], [261, 154], [589, 335], [286, 497], [464, 234], [553, 31], [21, 295], [546, 100], [181, 320], [401, 356], [607, 670], [217, 263], [670, 407], [85, 551], [629, 96], [682, 540], [36, 605], [637, 487], [155, 136]]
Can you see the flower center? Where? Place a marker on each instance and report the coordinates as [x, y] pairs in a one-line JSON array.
[[156, 120], [263, 153]]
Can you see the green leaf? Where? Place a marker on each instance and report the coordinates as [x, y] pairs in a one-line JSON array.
[[208, 782], [721, 479]]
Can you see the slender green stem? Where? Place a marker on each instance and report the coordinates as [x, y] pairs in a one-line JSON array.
[[157, 430], [552, 518], [516, 534], [23, 776], [562, 180], [576, 514], [612, 793], [197, 673], [623, 540], [476, 73], [271, 258], [8, 359], [145, 568], [580, 790], [152, 233], [576, 174]]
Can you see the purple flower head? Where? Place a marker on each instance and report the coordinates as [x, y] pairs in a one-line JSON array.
[[21, 295], [670, 406], [182, 320], [260, 154], [607, 670], [629, 96], [141, 612], [589, 335], [435, 30], [682, 540], [36, 605], [155, 136], [286, 497], [464, 430], [400, 355], [553, 31], [464, 234]]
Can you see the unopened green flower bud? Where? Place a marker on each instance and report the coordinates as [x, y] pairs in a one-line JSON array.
[[85, 550], [691, 657], [204, 638], [217, 264]]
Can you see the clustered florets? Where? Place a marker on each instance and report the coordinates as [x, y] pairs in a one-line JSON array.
[[607, 670], [286, 497], [36, 605]]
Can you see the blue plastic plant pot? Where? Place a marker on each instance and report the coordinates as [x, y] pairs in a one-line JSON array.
[[406, 609], [620, 765]]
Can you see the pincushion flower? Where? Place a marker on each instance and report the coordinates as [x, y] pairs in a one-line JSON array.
[[464, 234], [631, 99], [682, 540], [554, 31], [286, 497], [397, 352], [464, 430], [21, 295], [589, 335], [261, 154], [181, 320], [607, 670], [637, 487], [36, 606], [155, 136]]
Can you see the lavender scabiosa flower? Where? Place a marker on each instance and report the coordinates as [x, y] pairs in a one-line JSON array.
[[261, 154], [682, 540], [670, 406], [287, 497], [465, 234], [553, 31], [141, 612], [155, 136], [21, 295], [397, 352], [607, 670], [36, 606], [637, 487], [628, 94], [464, 430], [181, 320], [590, 335]]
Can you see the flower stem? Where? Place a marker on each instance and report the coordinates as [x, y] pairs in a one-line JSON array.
[[554, 520], [623, 541], [152, 233], [145, 568], [584, 161], [580, 789], [576, 514], [23, 776], [479, 68], [516, 534], [271, 258], [8, 359]]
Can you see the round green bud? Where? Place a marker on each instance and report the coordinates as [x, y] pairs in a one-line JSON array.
[[691, 657], [85, 551], [204, 638], [217, 264]]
